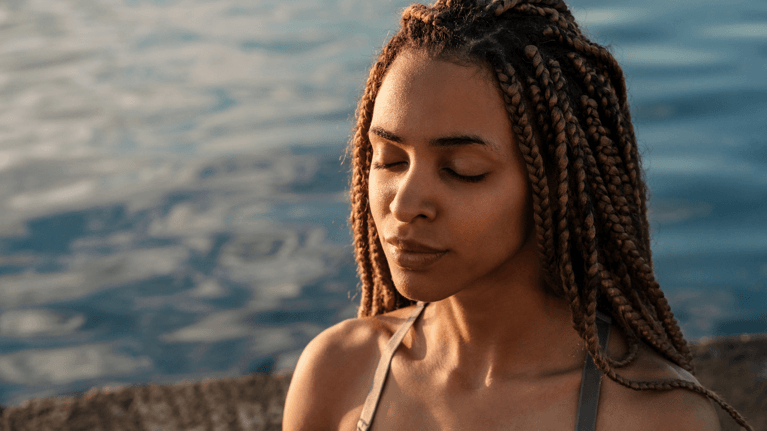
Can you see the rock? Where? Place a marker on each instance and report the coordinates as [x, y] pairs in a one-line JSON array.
[[736, 369], [252, 402]]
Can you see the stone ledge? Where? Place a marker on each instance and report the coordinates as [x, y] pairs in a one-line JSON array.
[[734, 367]]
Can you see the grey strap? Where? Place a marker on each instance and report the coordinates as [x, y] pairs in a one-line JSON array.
[[371, 402], [592, 378]]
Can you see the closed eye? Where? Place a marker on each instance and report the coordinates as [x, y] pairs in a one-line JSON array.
[[385, 165], [450, 172], [466, 178]]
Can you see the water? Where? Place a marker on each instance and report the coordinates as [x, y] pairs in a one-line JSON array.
[[173, 200]]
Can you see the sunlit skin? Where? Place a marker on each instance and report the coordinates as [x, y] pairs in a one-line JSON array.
[[486, 288], [450, 198]]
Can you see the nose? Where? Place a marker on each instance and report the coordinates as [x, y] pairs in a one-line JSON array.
[[415, 196]]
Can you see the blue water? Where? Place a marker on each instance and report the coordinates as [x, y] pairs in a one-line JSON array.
[[173, 197]]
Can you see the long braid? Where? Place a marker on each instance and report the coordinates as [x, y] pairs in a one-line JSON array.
[[559, 148], [625, 132], [606, 96], [567, 102], [610, 161], [583, 162], [609, 165], [361, 151], [542, 216], [559, 152], [624, 237], [628, 243], [615, 74]]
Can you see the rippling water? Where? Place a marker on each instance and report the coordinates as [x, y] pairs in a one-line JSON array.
[[173, 201]]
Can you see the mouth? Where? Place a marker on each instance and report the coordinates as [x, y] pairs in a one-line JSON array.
[[413, 255]]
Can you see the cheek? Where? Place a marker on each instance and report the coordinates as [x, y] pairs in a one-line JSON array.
[[377, 196], [502, 219]]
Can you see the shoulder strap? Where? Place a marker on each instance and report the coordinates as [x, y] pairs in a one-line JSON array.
[[591, 380], [371, 402]]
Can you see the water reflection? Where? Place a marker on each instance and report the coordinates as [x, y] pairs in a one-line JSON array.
[[173, 201]]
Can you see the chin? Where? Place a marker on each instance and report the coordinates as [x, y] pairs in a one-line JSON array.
[[415, 291]]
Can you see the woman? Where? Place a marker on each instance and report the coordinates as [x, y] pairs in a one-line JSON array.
[[496, 178]]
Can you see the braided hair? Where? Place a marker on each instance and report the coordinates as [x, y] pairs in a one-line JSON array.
[[566, 100]]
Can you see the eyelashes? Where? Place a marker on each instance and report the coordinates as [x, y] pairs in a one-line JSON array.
[[385, 166], [466, 178], [448, 171]]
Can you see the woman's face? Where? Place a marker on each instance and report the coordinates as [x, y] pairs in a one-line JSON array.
[[448, 187]]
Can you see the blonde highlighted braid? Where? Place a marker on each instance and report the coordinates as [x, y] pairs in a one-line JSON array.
[[566, 99]]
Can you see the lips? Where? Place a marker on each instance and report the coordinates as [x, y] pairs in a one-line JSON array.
[[413, 255]]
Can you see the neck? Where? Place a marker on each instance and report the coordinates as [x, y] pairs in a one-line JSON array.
[[510, 329]]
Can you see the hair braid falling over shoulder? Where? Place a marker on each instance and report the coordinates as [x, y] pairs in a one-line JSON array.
[[566, 100]]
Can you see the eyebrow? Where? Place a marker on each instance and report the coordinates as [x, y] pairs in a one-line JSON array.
[[443, 142]]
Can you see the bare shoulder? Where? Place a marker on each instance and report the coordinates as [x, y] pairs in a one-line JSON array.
[[335, 370], [650, 409]]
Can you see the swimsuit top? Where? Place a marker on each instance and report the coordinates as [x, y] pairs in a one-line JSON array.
[[590, 382]]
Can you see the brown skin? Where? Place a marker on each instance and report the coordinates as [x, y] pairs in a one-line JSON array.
[[491, 350]]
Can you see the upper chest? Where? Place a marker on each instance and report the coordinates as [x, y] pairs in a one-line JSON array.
[[414, 398], [412, 401]]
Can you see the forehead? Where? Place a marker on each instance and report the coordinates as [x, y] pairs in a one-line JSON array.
[[422, 98]]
